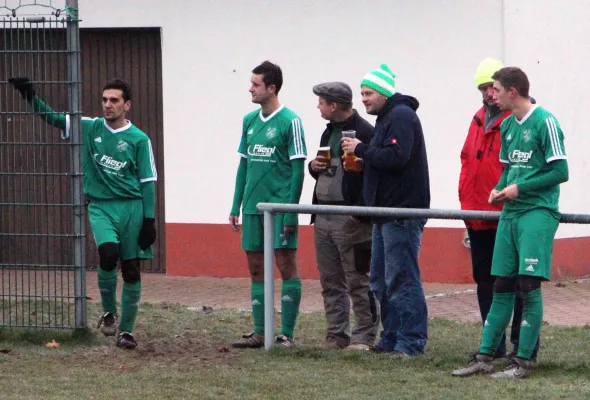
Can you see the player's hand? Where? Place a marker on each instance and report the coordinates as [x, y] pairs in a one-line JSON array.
[[319, 164], [287, 230], [349, 144], [147, 234], [354, 219], [234, 221], [509, 193], [24, 86], [493, 195]]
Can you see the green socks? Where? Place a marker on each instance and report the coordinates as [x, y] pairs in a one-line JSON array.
[[290, 299], [497, 321], [532, 318], [129, 306], [107, 284], [258, 307]]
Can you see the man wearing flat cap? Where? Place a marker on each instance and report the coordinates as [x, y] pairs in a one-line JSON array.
[[342, 242]]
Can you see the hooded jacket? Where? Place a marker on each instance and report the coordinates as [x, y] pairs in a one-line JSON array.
[[396, 166], [480, 168]]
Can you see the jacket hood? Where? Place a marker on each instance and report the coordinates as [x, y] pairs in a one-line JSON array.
[[400, 99]]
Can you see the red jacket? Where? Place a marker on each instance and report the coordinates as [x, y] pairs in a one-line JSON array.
[[480, 168]]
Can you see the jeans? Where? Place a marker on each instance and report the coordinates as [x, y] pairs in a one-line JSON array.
[[395, 280]]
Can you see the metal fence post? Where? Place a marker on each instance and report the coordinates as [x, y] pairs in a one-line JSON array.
[[269, 282], [74, 96]]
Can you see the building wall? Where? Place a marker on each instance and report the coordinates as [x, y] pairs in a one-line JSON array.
[[210, 47]]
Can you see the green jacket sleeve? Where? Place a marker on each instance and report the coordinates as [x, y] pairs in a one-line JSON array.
[[298, 166], [148, 196], [558, 173], [240, 186], [51, 117]]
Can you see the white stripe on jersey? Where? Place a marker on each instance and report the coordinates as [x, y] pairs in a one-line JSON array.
[[554, 137], [148, 180], [297, 138], [152, 161]]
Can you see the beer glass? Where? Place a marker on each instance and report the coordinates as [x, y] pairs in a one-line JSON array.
[[350, 163], [325, 152]]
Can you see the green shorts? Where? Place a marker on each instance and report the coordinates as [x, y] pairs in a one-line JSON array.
[[253, 233], [524, 245], [118, 221]]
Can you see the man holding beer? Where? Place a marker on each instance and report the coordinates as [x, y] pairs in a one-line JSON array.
[[342, 243], [396, 175]]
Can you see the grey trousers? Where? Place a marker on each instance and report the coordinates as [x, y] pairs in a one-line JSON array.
[[343, 254]]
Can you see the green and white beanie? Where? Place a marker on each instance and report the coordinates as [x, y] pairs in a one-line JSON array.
[[381, 80]]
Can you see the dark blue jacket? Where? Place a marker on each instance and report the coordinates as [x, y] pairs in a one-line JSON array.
[[396, 167]]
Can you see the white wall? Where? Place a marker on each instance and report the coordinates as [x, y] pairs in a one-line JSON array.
[[210, 47]]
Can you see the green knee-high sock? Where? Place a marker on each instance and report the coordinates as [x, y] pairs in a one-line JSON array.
[[496, 322], [129, 305], [107, 284], [290, 299], [258, 307], [532, 318]]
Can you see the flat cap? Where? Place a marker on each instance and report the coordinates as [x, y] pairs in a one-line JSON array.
[[338, 92]]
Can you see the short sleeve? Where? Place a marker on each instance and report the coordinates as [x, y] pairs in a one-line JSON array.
[[297, 148], [551, 138]]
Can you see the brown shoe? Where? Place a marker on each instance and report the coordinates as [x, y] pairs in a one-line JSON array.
[[359, 347], [250, 341], [335, 343]]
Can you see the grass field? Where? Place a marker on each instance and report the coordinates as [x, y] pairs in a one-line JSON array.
[[185, 354]]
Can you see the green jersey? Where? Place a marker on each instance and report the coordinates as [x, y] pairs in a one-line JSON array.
[[115, 161], [269, 144], [528, 146]]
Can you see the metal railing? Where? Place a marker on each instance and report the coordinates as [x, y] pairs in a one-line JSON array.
[[42, 212], [269, 209]]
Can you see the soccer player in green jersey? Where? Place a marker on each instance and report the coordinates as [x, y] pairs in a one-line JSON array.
[[119, 183], [535, 165], [271, 170]]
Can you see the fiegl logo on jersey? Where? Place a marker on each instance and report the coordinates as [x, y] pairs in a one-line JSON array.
[[110, 162], [259, 150], [518, 156]]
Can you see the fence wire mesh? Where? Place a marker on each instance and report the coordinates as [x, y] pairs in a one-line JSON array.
[[41, 240]]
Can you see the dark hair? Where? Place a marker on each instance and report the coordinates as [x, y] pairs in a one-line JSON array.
[[513, 77], [121, 85], [271, 75]]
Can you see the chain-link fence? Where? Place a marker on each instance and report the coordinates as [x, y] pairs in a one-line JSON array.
[[41, 205]]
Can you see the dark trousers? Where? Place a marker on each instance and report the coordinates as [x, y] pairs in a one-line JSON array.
[[482, 249]]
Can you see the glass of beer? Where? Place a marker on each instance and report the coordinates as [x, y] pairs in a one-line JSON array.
[[325, 152], [350, 163]]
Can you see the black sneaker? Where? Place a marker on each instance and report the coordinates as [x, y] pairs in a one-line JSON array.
[[108, 324], [249, 341], [481, 364], [284, 342], [125, 340], [518, 369]]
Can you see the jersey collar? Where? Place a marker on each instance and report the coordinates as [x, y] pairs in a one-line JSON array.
[[271, 115], [124, 128], [531, 111]]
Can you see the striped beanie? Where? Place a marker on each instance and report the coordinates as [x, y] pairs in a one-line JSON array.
[[381, 80]]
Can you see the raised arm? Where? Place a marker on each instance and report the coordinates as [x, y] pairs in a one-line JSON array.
[[25, 87]]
